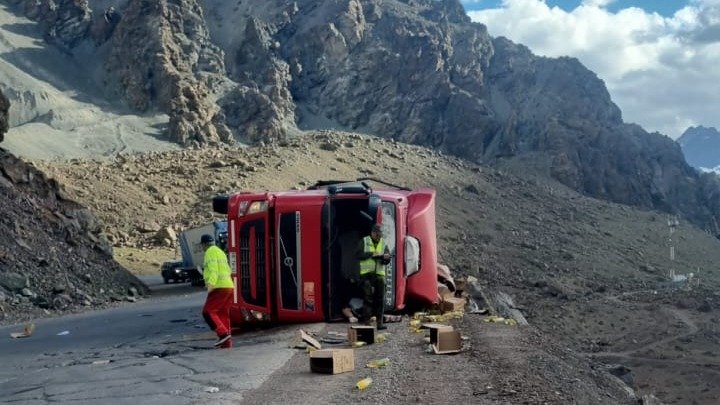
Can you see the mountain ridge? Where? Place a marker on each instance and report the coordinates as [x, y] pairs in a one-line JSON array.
[[416, 71], [701, 147]]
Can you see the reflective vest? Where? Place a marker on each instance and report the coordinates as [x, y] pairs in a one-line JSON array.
[[371, 265], [216, 270]]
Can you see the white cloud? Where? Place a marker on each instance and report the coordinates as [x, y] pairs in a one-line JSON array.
[[597, 3], [660, 71]]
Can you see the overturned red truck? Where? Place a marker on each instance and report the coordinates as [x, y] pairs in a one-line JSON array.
[[292, 253]]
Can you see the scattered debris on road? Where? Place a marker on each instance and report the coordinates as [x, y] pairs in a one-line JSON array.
[[27, 332], [303, 340], [378, 363], [364, 383]]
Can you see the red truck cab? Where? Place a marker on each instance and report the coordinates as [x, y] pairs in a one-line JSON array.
[[293, 253]]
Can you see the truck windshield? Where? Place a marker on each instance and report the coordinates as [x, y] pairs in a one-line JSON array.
[[388, 226]]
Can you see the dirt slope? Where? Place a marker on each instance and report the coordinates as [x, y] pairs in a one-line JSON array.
[[588, 275], [53, 257]]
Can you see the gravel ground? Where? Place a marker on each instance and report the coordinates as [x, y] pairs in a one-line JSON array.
[[498, 364]]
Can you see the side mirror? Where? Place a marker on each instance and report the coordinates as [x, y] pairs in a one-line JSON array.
[[375, 207], [220, 204]]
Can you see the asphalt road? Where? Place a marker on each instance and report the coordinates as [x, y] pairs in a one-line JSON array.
[[155, 351]]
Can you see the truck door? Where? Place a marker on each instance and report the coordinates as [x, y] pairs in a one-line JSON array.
[[421, 270], [386, 215], [251, 257], [298, 255]]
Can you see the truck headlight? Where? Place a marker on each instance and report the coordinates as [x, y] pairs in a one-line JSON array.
[[412, 256]]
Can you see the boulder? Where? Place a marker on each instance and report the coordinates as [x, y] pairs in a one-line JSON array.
[[13, 281]]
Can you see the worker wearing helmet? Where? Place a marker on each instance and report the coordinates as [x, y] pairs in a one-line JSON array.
[[216, 273], [374, 255]]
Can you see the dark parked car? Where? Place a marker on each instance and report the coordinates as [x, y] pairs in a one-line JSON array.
[[174, 271]]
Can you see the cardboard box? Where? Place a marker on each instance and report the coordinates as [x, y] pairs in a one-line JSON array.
[[444, 292], [434, 329], [332, 361], [361, 333], [452, 304], [448, 341]]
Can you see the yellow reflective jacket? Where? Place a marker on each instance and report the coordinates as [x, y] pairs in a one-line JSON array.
[[216, 270], [370, 265]]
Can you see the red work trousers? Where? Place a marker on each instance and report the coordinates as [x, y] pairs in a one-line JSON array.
[[216, 310]]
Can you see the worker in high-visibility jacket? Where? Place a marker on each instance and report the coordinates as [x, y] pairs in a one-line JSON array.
[[217, 276], [373, 255]]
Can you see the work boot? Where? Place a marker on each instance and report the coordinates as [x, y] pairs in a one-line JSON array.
[[223, 339]]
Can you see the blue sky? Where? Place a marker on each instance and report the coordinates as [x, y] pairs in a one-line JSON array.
[[658, 58], [663, 7]]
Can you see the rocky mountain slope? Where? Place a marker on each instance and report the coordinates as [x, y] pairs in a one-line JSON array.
[[592, 276], [701, 147], [417, 71], [53, 254]]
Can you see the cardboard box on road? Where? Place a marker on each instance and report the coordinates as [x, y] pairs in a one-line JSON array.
[[434, 329], [332, 361], [361, 333], [452, 304], [444, 292], [448, 341]]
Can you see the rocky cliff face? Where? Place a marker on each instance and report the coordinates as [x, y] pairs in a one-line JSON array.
[[418, 71], [64, 22], [412, 71], [562, 110], [701, 146], [161, 58], [261, 107]]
